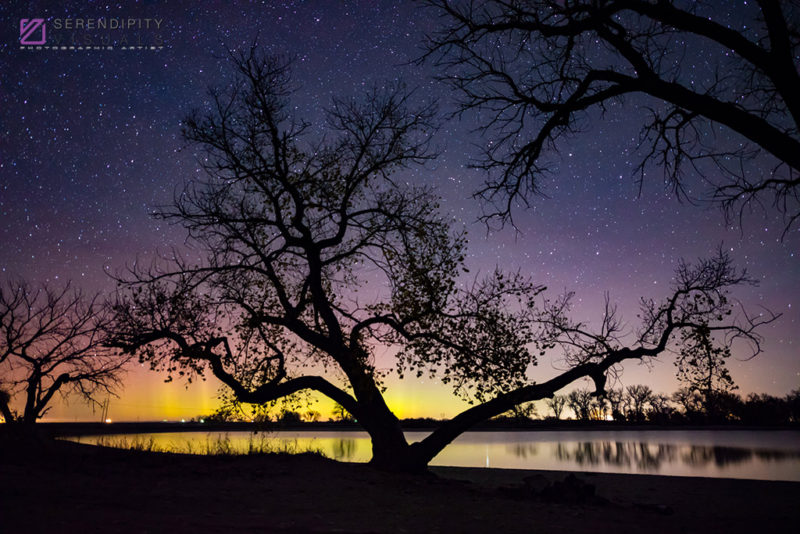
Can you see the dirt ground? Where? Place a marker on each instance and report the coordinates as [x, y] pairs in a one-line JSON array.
[[78, 488]]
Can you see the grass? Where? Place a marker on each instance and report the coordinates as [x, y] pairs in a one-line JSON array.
[[220, 445]]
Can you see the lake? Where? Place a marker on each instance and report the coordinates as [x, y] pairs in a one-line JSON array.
[[765, 455]]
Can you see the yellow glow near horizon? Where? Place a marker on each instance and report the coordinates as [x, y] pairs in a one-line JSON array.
[[146, 397]]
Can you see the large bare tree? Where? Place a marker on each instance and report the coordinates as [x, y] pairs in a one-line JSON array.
[[318, 253], [51, 342], [538, 69]]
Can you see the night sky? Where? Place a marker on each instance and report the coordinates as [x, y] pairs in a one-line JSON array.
[[90, 143]]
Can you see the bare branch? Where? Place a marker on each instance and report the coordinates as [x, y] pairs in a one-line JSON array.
[[535, 70], [52, 341]]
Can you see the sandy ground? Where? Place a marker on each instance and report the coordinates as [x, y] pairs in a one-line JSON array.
[[77, 488]]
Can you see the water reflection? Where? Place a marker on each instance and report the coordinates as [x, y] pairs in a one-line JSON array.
[[643, 456], [649, 457], [723, 456], [344, 449], [523, 450], [759, 455]]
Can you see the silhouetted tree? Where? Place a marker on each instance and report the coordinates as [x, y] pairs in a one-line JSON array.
[[521, 412], [616, 400], [765, 410], [537, 70], [293, 229], [661, 410], [639, 397], [5, 410], [793, 401], [312, 416], [598, 409], [289, 417], [580, 402], [701, 366], [725, 406], [557, 404], [51, 341], [690, 401], [340, 413]]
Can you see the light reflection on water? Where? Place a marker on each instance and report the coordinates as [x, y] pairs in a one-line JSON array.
[[769, 455]]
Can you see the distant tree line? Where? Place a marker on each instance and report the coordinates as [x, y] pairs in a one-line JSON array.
[[639, 403]]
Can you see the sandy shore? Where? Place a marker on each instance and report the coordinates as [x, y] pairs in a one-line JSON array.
[[77, 488]]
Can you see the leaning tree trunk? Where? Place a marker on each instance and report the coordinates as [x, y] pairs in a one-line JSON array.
[[390, 450]]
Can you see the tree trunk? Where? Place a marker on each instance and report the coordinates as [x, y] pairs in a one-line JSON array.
[[5, 411], [390, 450], [397, 457], [29, 414]]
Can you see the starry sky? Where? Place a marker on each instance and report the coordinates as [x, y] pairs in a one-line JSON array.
[[90, 143]]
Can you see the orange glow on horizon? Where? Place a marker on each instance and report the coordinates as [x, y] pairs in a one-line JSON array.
[[146, 397]]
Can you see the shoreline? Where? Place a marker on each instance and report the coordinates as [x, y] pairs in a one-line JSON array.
[[89, 428], [69, 487], [735, 457], [694, 453], [504, 473]]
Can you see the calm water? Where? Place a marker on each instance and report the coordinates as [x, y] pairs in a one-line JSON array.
[[768, 455]]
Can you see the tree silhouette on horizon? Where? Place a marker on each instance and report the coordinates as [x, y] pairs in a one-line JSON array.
[[52, 341], [294, 230]]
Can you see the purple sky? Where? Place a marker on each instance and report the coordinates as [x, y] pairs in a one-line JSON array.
[[90, 142]]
